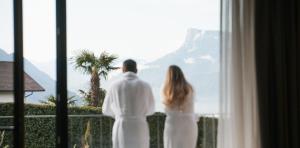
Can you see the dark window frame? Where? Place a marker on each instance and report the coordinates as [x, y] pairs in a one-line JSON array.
[[61, 75], [18, 75], [61, 68]]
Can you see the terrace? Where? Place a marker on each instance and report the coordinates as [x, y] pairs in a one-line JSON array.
[[94, 130]]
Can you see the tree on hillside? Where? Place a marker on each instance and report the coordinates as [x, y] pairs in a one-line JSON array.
[[97, 67]]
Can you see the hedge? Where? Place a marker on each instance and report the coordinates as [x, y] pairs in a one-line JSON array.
[[92, 131]]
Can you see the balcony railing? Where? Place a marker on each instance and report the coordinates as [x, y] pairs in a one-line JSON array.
[[94, 131]]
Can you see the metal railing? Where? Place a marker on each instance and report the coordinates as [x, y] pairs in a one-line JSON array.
[[95, 130]]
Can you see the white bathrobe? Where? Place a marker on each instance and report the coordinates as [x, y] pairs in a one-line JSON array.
[[181, 128], [129, 100]]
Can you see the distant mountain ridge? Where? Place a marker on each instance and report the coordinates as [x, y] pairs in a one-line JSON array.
[[199, 59], [198, 56]]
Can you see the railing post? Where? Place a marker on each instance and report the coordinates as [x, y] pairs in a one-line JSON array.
[[101, 133], [158, 130], [213, 131], [204, 132], [110, 133]]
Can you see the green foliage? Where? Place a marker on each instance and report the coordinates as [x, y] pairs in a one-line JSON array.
[[2, 135], [92, 132], [40, 132], [87, 98], [51, 100]]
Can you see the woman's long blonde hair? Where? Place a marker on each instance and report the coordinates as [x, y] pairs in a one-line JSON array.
[[176, 88]]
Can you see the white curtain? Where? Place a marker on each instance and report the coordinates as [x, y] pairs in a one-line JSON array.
[[238, 122]]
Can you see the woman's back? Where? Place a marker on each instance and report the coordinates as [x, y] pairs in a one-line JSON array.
[[187, 107], [181, 128]]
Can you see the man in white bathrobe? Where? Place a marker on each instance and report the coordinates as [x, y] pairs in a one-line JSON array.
[[129, 100]]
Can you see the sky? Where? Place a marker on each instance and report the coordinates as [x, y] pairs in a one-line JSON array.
[[147, 29], [139, 29]]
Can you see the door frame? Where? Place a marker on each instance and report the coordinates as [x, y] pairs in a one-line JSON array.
[[61, 75]]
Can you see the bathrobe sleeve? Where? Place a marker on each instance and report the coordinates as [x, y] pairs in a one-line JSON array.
[[150, 101], [107, 104]]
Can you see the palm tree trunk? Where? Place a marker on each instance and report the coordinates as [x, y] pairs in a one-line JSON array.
[[95, 88]]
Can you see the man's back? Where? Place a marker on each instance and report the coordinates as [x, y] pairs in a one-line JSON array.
[[129, 100], [131, 96]]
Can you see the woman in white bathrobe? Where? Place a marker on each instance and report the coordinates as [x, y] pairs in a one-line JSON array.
[[181, 128], [129, 100]]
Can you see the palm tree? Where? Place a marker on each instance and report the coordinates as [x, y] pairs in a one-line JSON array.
[[96, 67]]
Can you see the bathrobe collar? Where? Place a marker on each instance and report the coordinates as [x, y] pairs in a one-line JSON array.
[[130, 75]]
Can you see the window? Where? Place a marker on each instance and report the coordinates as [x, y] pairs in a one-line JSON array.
[[154, 33]]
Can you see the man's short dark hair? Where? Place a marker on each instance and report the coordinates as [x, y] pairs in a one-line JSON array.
[[130, 65]]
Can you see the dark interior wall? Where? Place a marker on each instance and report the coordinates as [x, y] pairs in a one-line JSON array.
[[277, 39]]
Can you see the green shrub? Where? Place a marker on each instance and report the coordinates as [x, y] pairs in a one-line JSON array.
[[92, 131], [40, 132]]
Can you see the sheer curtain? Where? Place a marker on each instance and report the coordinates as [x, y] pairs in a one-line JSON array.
[[238, 122]]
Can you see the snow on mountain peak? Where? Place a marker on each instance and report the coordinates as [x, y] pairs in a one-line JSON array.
[[208, 58], [189, 60], [192, 35]]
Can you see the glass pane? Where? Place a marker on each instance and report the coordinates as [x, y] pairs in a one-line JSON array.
[[39, 65], [154, 33], [6, 74]]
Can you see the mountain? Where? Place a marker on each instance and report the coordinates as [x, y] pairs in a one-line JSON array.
[[4, 56], [41, 77], [198, 57]]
